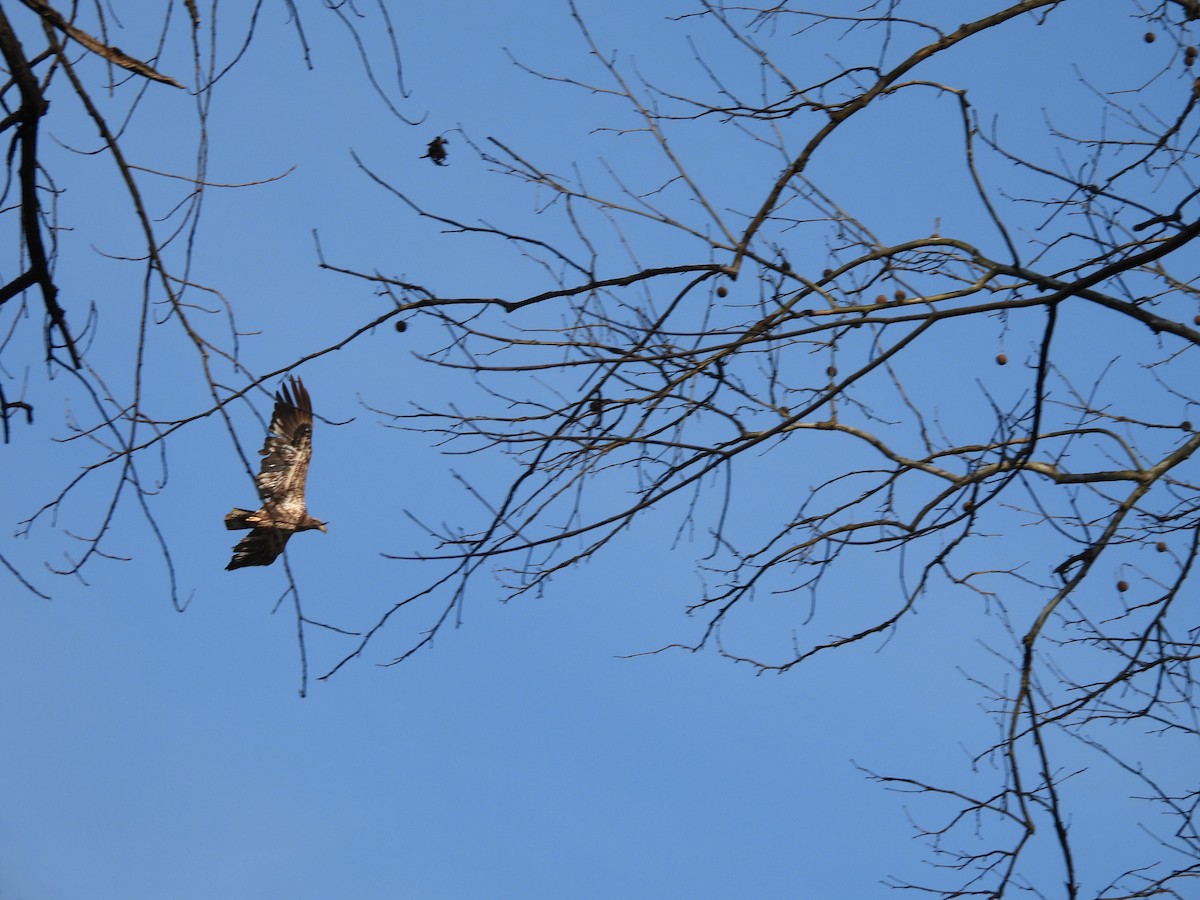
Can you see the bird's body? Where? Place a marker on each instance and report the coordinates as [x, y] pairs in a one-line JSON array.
[[436, 151], [280, 482]]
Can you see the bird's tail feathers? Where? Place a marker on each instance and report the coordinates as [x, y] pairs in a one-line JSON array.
[[237, 519]]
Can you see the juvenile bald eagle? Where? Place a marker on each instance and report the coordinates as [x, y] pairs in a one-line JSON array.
[[280, 483]]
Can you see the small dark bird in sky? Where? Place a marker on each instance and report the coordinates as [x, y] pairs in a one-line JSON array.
[[280, 482], [436, 151]]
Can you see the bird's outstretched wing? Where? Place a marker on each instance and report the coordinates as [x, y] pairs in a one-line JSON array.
[[286, 453], [259, 548]]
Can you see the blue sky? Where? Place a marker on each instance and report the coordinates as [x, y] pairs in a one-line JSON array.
[[155, 754]]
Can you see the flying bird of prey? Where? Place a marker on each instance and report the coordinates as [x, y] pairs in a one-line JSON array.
[[280, 483]]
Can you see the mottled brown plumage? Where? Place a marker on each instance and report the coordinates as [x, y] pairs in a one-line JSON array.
[[280, 481]]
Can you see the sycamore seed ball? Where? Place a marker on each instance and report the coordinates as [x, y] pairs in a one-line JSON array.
[[1161, 547], [1001, 359], [401, 325], [1148, 37], [899, 295], [722, 291], [1122, 586]]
